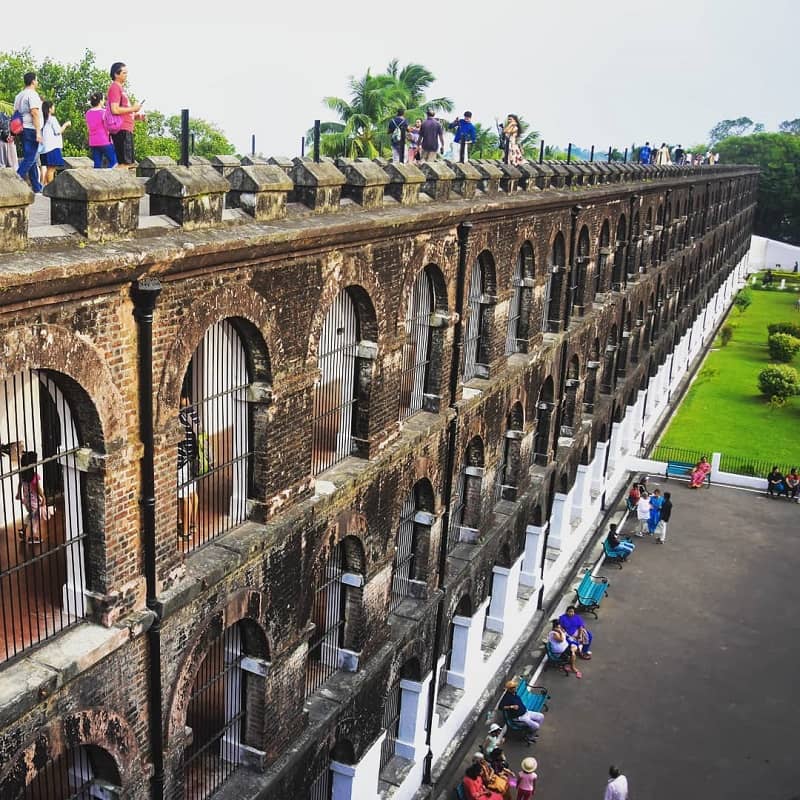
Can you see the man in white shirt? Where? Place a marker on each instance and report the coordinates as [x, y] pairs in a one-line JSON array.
[[29, 104], [617, 786]]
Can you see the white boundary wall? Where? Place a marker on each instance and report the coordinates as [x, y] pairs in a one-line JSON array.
[[771, 254]]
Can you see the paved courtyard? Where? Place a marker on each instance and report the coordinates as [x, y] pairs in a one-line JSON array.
[[693, 688]]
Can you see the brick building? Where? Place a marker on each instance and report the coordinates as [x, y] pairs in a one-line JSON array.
[[291, 456]]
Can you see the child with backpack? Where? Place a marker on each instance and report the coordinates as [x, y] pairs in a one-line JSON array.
[[99, 139]]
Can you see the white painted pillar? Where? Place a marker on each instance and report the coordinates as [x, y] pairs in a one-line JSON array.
[[559, 521], [503, 602], [357, 781], [531, 571], [580, 503], [598, 466], [614, 447], [467, 635], [410, 742]]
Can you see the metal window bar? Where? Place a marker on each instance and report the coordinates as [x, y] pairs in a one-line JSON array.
[[215, 456], [553, 307], [322, 786], [474, 323], [457, 513], [328, 618], [514, 311], [391, 724], [69, 776], [42, 568], [216, 714], [335, 390], [405, 553], [546, 305], [416, 347], [448, 657]]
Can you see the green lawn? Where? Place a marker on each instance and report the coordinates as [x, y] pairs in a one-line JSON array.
[[723, 410]]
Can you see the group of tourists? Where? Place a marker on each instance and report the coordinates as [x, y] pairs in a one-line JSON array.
[[653, 511], [34, 125], [780, 485], [425, 139], [664, 155]]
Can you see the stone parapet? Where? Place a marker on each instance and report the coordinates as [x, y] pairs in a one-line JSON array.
[[405, 181], [438, 179], [317, 185], [365, 182], [261, 191], [15, 197], [191, 196]]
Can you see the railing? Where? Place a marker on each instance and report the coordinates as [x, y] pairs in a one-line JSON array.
[[736, 465], [664, 453]]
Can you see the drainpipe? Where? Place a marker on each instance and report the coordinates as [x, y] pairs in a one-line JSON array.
[[145, 294], [464, 230]]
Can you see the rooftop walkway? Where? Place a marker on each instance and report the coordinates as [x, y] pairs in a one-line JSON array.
[[693, 687]]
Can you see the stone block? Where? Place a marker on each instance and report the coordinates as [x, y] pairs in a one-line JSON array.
[[253, 161], [527, 176], [560, 174], [225, 165], [510, 179], [191, 196], [365, 182], [544, 174], [317, 185], [260, 190], [490, 176], [438, 179], [465, 180], [149, 165], [99, 203], [78, 162], [199, 161], [15, 197], [405, 181]]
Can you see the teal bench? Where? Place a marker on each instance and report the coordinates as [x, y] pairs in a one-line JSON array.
[[557, 660], [611, 556], [590, 593], [682, 469], [534, 697]]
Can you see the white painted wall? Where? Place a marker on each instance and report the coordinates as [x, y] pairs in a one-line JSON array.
[[771, 254]]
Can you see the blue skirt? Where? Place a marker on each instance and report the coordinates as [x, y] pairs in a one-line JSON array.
[[53, 158]]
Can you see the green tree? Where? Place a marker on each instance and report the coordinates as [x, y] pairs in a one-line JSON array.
[[778, 380], [743, 300], [414, 80], [733, 127], [790, 126], [778, 155]]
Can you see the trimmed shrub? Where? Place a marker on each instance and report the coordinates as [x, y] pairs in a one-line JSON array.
[[783, 347], [792, 328], [725, 334], [778, 380], [743, 300]]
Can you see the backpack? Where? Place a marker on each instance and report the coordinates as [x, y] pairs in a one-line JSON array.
[[15, 125], [5, 132], [113, 122], [397, 132]]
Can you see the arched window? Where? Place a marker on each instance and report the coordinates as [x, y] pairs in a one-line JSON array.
[[508, 474], [413, 531], [336, 614], [43, 569], [581, 267], [519, 310], [399, 708], [618, 273], [215, 454], [80, 773], [544, 410], [226, 709], [466, 504], [570, 412], [416, 347], [590, 387], [341, 393], [608, 380], [603, 253], [555, 286], [477, 335]]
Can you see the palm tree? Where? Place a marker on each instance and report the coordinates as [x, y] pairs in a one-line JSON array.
[[414, 79]]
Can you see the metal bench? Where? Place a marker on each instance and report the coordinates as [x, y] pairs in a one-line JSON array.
[[590, 592], [534, 697], [682, 469], [557, 660]]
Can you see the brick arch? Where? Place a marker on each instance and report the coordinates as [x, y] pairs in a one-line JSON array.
[[348, 273], [59, 350], [443, 289], [243, 605], [97, 727], [227, 303], [422, 473]]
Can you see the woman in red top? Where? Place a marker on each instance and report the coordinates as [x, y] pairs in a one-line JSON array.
[[474, 787], [120, 105]]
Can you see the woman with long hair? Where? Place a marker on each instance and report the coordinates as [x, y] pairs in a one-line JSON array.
[[512, 131]]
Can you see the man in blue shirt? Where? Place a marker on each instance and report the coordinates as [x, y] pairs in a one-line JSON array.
[[465, 132], [644, 153]]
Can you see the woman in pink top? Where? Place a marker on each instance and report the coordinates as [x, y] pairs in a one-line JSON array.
[[526, 779], [120, 105], [99, 140]]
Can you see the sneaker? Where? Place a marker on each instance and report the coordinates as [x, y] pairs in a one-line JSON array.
[[639, 535]]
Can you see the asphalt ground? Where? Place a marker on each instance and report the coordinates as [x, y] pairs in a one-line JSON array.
[[693, 688]]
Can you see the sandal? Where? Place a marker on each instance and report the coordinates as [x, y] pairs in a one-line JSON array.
[[578, 673]]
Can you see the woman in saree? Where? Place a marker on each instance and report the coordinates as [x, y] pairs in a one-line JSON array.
[[699, 473]]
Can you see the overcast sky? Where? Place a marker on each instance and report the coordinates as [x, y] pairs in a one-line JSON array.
[[603, 73]]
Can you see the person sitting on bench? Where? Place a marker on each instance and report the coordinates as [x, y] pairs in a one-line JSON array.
[[776, 484], [475, 788], [560, 646], [577, 632], [619, 547], [511, 703]]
